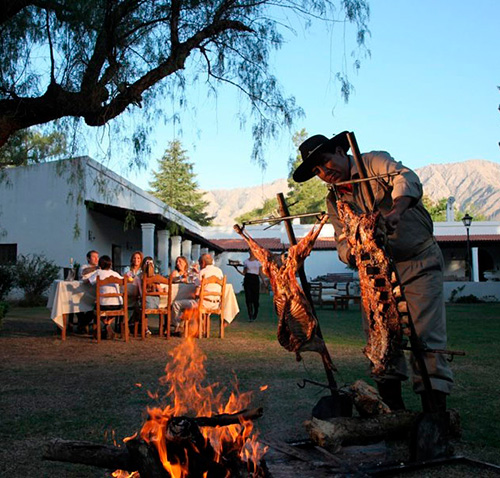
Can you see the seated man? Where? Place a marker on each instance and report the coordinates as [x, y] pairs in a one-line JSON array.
[[86, 270], [92, 264], [179, 306]]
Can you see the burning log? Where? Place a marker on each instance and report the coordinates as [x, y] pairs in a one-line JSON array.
[[334, 433], [185, 444]]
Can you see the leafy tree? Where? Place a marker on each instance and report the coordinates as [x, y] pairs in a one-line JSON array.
[[31, 146], [269, 208], [437, 210], [95, 59], [472, 209], [308, 196], [175, 184]]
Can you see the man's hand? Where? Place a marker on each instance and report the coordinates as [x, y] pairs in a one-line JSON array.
[[393, 217]]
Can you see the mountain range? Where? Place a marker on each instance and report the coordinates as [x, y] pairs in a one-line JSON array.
[[475, 181]]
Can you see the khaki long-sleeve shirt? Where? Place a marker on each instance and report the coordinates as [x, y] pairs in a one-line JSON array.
[[415, 230]]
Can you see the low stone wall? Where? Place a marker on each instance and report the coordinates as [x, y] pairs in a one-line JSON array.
[[488, 291]]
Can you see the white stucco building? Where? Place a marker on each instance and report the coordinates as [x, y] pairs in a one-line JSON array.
[[63, 209]]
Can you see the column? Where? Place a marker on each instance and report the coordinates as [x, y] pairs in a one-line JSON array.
[[195, 252], [186, 249], [475, 264], [175, 250], [163, 249], [148, 239], [203, 250]]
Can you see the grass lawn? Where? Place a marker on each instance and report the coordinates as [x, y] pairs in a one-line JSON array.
[[80, 390]]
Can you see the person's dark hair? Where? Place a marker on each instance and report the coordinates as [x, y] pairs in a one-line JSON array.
[[90, 253], [148, 266], [105, 263], [141, 255]]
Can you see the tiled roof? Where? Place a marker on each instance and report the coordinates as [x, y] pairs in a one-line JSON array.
[[274, 244], [328, 243], [473, 238]]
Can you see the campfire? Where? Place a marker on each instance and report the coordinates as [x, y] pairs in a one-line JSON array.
[[190, 446], [197, 433]]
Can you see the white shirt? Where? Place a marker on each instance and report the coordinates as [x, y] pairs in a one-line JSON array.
[[252, 266], [210, 271], [84, 273], [107, 289]]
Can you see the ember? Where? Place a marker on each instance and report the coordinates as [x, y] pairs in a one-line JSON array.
[[199, 433]]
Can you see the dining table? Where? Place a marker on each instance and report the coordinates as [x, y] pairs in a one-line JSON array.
[[71, 297]]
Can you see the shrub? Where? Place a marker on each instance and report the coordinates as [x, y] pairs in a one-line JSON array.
[[4, 307], [468, 299], [35, 273], [6, 280], [455, 292]]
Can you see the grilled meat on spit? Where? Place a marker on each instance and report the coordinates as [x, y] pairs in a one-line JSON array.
[[296, 321], [386, 312]]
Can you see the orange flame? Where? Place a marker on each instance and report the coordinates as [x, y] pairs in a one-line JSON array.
[[188, 395]]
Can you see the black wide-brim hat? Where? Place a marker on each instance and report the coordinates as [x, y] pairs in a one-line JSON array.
[[311, 150]]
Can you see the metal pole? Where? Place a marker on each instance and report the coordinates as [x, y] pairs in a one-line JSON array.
[[368, 196], [469, 268], [325, 355]]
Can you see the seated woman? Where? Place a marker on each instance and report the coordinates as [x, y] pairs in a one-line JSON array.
[[107, 303], [133, 272], [152, 302], [181, 271]]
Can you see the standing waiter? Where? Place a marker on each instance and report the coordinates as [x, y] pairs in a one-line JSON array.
[[252, 272], [416, 255]]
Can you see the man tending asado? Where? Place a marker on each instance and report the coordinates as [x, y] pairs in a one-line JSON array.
[[416, 255]]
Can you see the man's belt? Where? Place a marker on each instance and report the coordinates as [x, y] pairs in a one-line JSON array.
[[214, 301], [414, 252]]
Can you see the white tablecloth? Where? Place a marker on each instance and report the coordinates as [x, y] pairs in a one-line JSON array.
[[66, 297], [231, 308]]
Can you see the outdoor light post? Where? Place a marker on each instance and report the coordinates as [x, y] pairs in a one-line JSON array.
[[467, 220]]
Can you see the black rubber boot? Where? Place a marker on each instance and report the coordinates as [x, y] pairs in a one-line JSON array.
[[439, 399], [390, 391]]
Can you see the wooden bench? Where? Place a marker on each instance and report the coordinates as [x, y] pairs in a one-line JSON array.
[[342, 301], [338, 293], [321, 294]]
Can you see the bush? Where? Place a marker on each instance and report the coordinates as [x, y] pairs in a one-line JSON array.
[[4, 308], [6, 280], [468, 299], [35, 273]]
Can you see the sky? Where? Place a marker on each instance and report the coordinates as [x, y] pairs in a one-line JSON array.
[[427, 94]]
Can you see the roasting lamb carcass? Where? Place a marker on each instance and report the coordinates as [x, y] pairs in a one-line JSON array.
[[296, 321], [383, 304]]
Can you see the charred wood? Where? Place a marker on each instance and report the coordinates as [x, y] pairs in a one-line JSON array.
[[334, 433], [185, 446]]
